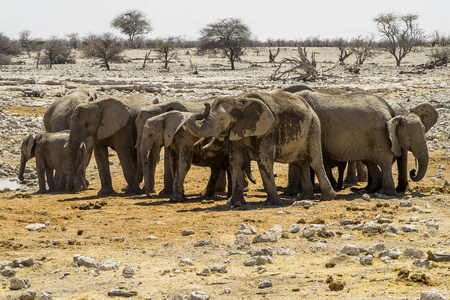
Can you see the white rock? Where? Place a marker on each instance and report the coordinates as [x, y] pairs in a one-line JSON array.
[[18, 283], [432, 294], [199, 295], [392, 253], [36, 226], [350, 250], [413, 253]]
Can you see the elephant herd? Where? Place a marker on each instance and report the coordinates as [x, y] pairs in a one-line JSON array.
[[311, 130]]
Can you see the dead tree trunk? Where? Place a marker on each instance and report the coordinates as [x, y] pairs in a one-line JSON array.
[[272, 56]]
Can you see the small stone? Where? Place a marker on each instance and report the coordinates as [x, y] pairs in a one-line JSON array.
[[414, 219], [128, 272], [46, 295], [222, 269], [202, 243], [366, 260], [392, 253], [336, 285], [242, 240], [227, 291], [118, 239], [8, 272], [85, 261], [294, 228], [413, 253], [265, 285], [257, 261], [366, 197], [410, 228], [304, 203], [199, 295], [28, 295], [421, 263], [346, 221], [36, 226], [187, 232], [285, 251], [405, 204], [205, 272], [186, 262], [432, 294], [350, 250], [119, 292], [18, 283], [151, 238], [369, 227], [246, 229], [347, 236], [377, 247], [108, 265], [23, 262]]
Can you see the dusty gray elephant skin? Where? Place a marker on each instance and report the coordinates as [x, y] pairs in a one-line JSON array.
[[51, 154], [266, 127], [57, 116], [110, 121], [364, 127], [169, 129]]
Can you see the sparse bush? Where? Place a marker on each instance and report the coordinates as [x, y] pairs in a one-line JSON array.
[[166, 49], [57, 51], [106, 47], [5, 60], [363, 48], [7, 48]]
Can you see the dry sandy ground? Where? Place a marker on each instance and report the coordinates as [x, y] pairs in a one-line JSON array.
[[146, 233]]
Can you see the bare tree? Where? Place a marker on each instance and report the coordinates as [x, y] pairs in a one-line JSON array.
[[363, 48], [230, 36], [26, 42], [57, 51], [401, 33], [166, 49], [7, 48], [132, 23], [73, 39], [106, 47]]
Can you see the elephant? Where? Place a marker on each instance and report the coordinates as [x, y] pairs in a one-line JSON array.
[[52, 153], [155, 110], [57, 116], [110, 121], [267, 127], [359, 126], [169, 130]]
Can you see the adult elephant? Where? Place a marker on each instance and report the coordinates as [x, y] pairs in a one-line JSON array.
[[110, 121], [57, 116], [168, 130], [266, 127], [358, 126]]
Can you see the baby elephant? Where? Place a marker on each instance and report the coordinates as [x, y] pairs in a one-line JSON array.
[[51, 154]]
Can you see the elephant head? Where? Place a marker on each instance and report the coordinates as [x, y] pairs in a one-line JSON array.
[[27, 150], [408, 132], [157, 132], [233, 118], [97, 119]]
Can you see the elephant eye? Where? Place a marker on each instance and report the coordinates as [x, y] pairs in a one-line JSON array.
[[86, 125]]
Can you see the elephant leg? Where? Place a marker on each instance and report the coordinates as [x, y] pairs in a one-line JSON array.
[[374, 180], [265, 164], [293, 187], [237, 161], [182, 166], [329, 172], [58, 180], [317, 164], [307, 189], [128, 163], [341, 169], [210, 189], [351, 177], [50, 179], [362, 171], [402, 166], [388, 186], [168, 174], [230, 183], [40, 169], [101, 157], [221, 181]]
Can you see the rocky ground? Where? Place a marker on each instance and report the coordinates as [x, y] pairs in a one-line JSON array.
[[359, 246]]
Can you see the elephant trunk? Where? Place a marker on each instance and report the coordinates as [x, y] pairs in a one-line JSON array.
[[203, 130], [150, 158], [248, 172], [422, 158], [23, 162], [75, 143]]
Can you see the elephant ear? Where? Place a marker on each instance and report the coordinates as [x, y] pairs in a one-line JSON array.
[[427, 114], [173, 122], [392, 126], [114, 116], [255, 119], [31, 139]]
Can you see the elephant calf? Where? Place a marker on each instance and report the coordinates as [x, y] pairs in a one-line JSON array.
[[51, 154]]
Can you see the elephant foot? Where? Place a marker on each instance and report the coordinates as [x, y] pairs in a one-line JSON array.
[[401, 188], [352, 180], [178, 198], [41, 191], [389, 192], [165, 192], [132, 190], [305, 196], [328, 196], [106, 191], [206, 193], [236, 201], [275, 201], [290, 192]]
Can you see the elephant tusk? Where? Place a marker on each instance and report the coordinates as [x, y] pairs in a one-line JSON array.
[[82, 145], [210, 143], [199, 141]]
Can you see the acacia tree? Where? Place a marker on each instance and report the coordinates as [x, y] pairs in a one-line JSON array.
[[231, 36], [132, 23], [166, 49], [401, 33], [106, 47]]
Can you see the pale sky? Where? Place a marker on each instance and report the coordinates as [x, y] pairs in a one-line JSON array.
[[290, 20]]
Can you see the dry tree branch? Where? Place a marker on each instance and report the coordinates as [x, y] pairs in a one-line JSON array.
[[297, 68]]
